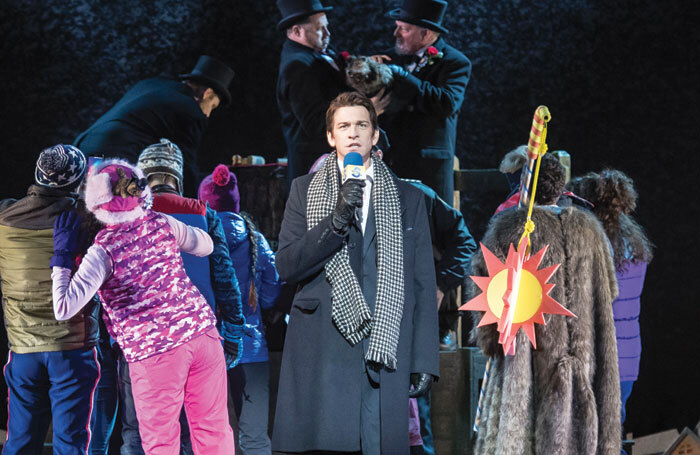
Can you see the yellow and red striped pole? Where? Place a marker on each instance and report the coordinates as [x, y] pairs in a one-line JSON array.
[[537, 141]]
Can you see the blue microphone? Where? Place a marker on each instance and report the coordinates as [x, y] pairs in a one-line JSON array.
[[353, 167]]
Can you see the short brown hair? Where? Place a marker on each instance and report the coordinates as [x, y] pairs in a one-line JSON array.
[[349, 99], [551, 180]]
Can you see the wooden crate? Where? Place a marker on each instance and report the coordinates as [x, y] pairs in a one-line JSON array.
[[454, 400]]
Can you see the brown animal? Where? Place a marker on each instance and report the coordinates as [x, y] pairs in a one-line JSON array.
[[367, 76], [126, 187]]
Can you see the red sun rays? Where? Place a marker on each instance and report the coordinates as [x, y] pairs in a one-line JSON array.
[[515, 294]]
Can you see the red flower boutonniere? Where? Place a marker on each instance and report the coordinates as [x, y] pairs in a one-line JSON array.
[[433, 55], [345, 55]]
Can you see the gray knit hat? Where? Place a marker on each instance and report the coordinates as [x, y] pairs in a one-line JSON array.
[[60, 166], [162, 158]]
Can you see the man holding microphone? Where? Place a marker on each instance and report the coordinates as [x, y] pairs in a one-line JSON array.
[[363, 324]]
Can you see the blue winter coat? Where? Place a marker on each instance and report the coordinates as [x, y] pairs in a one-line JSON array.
[[267, 282]]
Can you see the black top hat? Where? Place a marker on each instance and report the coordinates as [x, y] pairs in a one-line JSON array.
[[212, 73], [425, 13], [294, 10]]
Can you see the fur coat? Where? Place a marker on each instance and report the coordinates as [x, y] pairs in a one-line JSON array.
[[563, 397]]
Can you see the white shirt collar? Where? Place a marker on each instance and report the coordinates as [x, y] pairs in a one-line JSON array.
[[421, 52]]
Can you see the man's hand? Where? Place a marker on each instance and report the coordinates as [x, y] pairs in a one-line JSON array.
[[67, 238], [349, 199], [381, 100], [398, 72], [380, 58], [421, 383]]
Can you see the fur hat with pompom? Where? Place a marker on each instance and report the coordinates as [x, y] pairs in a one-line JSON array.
[[220, 190], [117, 192]]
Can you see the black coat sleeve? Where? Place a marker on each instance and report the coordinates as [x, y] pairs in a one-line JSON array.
[[302, 253], [306, 98], [443, 97], [187, 131], [455, 245], [425, 350]]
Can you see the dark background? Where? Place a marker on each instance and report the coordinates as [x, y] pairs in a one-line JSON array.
[[619, 77]]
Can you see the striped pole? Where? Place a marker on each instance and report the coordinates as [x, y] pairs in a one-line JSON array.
[[539, 124], [481, 396]]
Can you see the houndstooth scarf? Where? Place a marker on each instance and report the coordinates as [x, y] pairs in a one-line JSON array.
[[350, 312]]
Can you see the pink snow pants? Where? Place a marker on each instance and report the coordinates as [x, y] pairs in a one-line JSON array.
[[195, 373]]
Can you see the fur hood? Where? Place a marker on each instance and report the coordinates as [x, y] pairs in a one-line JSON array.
[[101, 185], [563, 397]]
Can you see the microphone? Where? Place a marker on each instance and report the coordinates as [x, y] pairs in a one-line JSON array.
[[354, 169]]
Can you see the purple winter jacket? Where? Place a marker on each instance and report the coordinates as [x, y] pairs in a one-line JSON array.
[[630, 280]]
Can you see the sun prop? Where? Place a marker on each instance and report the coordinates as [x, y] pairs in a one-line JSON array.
[[515, 294]]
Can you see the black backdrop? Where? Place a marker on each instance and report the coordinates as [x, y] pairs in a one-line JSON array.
[[619, 77]]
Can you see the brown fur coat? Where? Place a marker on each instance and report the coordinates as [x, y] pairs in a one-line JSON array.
[[564, 397]]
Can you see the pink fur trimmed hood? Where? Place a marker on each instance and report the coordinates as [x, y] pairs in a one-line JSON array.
[[100, 197]]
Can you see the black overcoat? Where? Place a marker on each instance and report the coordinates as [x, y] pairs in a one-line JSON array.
[[319, 395], [306, 85], [453, 244], [152, 109], [421, 120]]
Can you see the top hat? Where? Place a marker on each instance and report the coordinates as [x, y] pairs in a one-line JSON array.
[[212, 73], [294, 10], [425, 13]]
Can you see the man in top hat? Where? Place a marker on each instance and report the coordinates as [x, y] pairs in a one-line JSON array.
[[430, 78], [162, 107], [309, 78]]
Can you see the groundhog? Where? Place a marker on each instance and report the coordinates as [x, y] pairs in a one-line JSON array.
[[126, 187], [367, 76]]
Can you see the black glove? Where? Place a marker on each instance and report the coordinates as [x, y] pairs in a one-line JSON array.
[[349, 199], [421, 383]]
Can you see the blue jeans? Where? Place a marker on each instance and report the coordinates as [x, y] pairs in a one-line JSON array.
[[131, 439], [625, 392], [425, 429], [106, 401], [42, 384]]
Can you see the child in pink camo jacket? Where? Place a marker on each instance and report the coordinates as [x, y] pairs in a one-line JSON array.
[[162, 323]]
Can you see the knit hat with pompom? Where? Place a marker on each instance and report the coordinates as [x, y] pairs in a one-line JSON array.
[[220, 190]]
